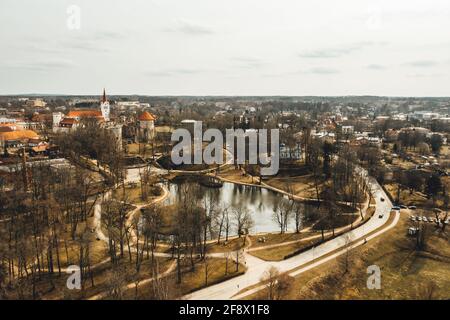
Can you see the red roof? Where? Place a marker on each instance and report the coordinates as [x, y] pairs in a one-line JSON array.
[[84, 114], [146, 116], [18, 135]]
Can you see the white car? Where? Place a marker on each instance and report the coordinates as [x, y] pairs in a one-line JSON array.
[[424, 219], [419, 218]]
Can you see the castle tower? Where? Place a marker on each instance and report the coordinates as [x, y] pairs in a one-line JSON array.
[[105, 107], [146, 128]]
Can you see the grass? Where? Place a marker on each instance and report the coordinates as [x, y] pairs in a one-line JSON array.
[[415, 198], [133, 194], [195, 280], [230, 246], [302, 186], [232, 174], [53, 287], [339, 221], [280, 253], [192, 280], [405, 273], [276, 238]]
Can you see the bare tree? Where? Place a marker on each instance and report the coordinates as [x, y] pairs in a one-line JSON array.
[[243, 220], [271, 276], [282, 213]]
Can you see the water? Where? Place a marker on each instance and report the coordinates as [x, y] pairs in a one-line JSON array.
[[259, 201]]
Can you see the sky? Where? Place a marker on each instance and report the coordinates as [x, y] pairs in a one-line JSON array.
[[232, 47]]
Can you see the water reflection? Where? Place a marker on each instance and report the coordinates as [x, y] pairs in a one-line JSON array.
[[260, 202]]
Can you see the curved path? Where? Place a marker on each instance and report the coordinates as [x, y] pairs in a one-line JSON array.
[[256, 268]]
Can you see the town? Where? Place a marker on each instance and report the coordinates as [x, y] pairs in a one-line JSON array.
[[88, 185], [224, 159]]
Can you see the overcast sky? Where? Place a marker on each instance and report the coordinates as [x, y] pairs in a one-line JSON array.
[[227, 47]]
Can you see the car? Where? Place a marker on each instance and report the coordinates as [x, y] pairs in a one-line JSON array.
[[412, 207], [403, 207], [395, 208], [382, 199], [419, 218], [413, 218], [424, 219], [431, 219]]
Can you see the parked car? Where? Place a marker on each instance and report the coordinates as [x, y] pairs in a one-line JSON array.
[[412, 207], [395, 208], [413, 218], [419, 218], [424, 219], [403, 207]]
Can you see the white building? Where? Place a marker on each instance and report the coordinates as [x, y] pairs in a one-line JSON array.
[[348, 129]]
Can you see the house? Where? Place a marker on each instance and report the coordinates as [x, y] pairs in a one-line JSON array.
[[348, 129], [65, 123], [15, 137]]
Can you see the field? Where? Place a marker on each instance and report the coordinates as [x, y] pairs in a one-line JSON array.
[[405, 272]]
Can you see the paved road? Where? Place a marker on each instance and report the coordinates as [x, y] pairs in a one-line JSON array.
[[257, 267]]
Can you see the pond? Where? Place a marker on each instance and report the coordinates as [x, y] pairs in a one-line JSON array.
[[260, 202]]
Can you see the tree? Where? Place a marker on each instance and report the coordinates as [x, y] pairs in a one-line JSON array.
[[271, 276], [346, 258], [299, 216], [243, 220], [436, 142], [433, 185], [277, 285], [281, 213], [413, 180]]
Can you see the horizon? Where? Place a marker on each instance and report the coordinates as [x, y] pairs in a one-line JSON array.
[[221, 95]]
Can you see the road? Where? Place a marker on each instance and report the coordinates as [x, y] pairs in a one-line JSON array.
[[256, 267]]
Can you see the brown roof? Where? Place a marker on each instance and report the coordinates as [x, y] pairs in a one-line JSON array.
[[68, 121], [84, 114], [41, 148], [146, 116], [18, 135]]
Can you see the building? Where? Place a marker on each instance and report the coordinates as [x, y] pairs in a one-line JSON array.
[[131, 105], [74, 118], [66, 123], [348, 129], [36, 103], [146, 127], [14, 137]]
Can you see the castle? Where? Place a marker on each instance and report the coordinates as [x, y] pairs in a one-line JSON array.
[[73, 119]]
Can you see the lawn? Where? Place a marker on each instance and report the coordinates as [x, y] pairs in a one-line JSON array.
[[192, 280], [405, 272], [280, 253]]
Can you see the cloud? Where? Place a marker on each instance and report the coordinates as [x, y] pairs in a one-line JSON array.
[[422, 75], [173, 72], [376, 67], [323, 71], [247, 62], [422, 63], [337, 51], [41, 65], [190, 28]]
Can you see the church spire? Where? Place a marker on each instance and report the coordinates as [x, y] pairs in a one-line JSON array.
[[104, 96]]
